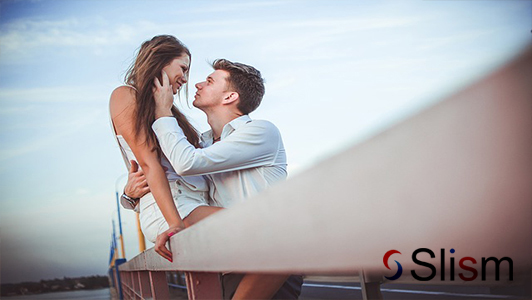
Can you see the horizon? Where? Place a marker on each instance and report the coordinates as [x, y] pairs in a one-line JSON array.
[[63, 278]]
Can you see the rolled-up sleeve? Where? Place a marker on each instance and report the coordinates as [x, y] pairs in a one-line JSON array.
[[254, 144]]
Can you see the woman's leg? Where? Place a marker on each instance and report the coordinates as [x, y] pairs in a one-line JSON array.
[[199, 214]]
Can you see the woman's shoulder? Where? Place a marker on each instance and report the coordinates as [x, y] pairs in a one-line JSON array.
[[123, 91], [122, 97]]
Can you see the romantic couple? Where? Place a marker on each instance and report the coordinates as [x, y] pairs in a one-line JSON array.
[[184, 177]]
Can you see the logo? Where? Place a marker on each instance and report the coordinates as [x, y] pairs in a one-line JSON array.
[[469, 272], [399, 267]]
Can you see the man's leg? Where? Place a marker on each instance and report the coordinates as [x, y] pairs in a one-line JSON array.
[[259, 286], [291, 289]]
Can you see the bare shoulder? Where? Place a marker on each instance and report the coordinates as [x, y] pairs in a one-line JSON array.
[[122, 109], [122, 99]]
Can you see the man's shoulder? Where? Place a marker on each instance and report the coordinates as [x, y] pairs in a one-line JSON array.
[[262, 123], [262, 126]]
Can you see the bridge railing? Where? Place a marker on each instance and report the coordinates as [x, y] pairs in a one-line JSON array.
[[457, 175]]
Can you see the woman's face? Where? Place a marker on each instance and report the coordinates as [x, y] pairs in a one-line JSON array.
[[177, 71]]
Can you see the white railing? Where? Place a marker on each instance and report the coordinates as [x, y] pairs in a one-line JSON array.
[[457, 175]]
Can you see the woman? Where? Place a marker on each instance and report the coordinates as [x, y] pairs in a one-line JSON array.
[[132, 110]]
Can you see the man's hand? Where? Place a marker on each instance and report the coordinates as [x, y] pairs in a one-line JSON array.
[[136, 186], [160, 242], [164, 97]]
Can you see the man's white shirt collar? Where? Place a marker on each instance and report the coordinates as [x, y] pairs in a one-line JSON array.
[[227, 130]]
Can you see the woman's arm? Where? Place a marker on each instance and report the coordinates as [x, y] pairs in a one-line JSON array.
[[123, 115]]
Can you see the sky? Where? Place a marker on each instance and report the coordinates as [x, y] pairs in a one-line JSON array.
[[337, 72]]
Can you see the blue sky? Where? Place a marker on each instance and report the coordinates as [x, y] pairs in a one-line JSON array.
[[336, 72]]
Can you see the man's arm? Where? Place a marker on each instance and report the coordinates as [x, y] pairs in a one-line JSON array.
[[252, 145]]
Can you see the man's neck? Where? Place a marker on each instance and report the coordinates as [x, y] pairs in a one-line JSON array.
[[218, 120]]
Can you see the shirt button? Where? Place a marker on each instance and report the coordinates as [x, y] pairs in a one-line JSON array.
[[179, 192], [178, 182]]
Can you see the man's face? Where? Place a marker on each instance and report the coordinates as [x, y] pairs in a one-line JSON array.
[[212, 91]]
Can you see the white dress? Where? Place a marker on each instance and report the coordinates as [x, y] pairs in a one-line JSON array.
[[189, 192]]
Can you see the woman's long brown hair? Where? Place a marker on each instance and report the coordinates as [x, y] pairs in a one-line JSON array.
[[152, 57]]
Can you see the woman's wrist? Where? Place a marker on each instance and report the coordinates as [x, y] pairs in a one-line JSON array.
[[176, 224], [160, 113]]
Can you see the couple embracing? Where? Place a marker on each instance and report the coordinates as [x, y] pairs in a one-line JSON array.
[[185, 177]]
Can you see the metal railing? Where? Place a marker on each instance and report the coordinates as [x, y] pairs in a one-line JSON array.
[[457, 175]]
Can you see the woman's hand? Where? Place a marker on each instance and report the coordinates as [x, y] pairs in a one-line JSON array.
[[164, 97], [160, 242]]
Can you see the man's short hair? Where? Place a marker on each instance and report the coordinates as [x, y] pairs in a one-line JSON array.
[[246, 81]]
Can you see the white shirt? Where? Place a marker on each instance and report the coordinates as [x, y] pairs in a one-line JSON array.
[[249, 157]]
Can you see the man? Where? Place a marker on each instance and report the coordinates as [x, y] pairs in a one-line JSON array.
[[241, 157]]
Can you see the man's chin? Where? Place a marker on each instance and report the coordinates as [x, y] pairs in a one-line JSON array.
[[197, 105]]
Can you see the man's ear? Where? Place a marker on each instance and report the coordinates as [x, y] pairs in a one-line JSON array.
[[231, 97]]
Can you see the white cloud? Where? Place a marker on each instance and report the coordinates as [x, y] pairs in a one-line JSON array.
[[49, 95], [69, 125], [344, 25], [216, 7], [22, 38], [454, 39], [82, 191]]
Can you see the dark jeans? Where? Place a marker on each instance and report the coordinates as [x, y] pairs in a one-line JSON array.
[[291, 289]]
